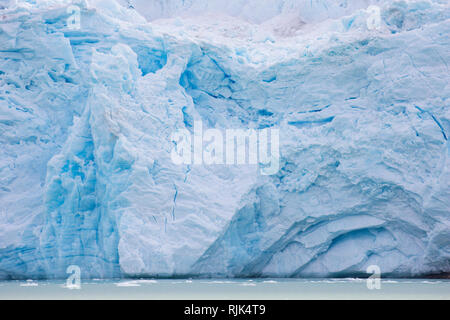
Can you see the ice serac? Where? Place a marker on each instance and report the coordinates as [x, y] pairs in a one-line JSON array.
[[87, 116]]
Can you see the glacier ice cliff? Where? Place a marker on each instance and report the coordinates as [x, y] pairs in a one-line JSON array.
[[86, 117]]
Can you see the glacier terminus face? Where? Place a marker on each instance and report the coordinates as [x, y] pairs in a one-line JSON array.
[[283, 138]]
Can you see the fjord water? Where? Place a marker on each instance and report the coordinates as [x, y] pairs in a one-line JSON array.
[[226, 289]]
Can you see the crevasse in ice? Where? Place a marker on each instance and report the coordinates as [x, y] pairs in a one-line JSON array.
[[86, 117]]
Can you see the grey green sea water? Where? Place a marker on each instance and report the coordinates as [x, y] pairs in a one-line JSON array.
[[228, 289]]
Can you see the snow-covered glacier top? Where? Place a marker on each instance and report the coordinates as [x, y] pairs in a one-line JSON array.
[[256, 11], [91, 93]]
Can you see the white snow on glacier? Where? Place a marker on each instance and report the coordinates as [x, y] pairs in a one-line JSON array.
[[86, 117]]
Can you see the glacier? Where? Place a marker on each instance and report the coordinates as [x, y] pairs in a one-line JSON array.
[[86, 117]]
